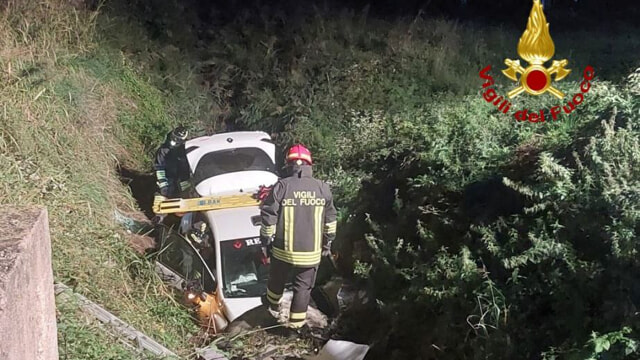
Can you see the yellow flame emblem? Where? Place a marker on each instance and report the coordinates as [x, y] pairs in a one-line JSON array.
[[536, 47]]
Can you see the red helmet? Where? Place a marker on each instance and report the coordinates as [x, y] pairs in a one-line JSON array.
[[299, 152]]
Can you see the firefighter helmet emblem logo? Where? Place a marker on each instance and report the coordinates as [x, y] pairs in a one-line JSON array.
[[536, 47]]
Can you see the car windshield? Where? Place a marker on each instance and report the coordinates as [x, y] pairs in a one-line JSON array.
[[243, 272], [232, 160]]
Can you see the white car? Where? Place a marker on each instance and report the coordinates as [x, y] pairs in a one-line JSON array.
[[228, 260]]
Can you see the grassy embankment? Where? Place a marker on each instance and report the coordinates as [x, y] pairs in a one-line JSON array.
[[80, 93]]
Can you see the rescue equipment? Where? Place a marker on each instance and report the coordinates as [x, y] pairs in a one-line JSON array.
[[179, 205]]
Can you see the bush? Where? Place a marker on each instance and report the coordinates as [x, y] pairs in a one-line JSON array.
[[510, 281]]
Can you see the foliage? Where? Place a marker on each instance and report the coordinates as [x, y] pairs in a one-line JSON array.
[[613, 345], [540, 275]]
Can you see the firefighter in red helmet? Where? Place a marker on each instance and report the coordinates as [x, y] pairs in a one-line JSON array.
[[298, 226]]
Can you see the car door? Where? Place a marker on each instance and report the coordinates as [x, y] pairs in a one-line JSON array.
[[181, 257]]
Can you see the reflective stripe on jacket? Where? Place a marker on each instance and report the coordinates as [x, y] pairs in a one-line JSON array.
[[299, 211]]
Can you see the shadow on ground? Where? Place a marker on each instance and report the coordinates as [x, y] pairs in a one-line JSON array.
[[142, 185]]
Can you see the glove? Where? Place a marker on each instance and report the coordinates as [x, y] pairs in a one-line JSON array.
[[266, 254], [266, 245], [326, 249], [263, 192]]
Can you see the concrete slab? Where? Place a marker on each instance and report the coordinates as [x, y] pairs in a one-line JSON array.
[[27, 304]]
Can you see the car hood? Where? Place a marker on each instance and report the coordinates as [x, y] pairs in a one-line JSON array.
[[234, 183]]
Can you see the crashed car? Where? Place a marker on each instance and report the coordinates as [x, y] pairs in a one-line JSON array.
[[215, 255]]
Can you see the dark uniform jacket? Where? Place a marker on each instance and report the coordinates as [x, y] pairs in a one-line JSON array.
[[172, 169], [299, 211]]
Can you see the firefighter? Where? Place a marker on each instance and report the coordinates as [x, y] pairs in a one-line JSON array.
[[298, 226], [171, 165]]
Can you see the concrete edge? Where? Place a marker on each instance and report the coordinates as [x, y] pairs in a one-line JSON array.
[[120, 327]]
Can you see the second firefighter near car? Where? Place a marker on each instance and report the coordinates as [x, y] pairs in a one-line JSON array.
[[172, 168], [298, 226]]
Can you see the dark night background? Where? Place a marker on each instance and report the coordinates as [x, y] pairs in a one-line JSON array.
[[568, 12]]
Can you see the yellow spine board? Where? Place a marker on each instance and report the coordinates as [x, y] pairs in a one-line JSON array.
[[170, 206]]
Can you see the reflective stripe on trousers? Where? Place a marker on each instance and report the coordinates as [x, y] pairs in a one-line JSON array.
[[304, 280]]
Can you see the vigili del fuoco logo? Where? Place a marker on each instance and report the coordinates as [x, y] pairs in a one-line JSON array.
[[536, 48]]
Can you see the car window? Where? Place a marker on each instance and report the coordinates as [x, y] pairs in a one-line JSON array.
[[178, 255], [244, 273], [232, 160]]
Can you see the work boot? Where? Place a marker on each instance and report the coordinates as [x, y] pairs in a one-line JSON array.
[[304, 329], [274, 310], [297, 325]]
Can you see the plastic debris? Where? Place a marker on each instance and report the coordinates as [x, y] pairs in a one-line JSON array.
[[341, 350]]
